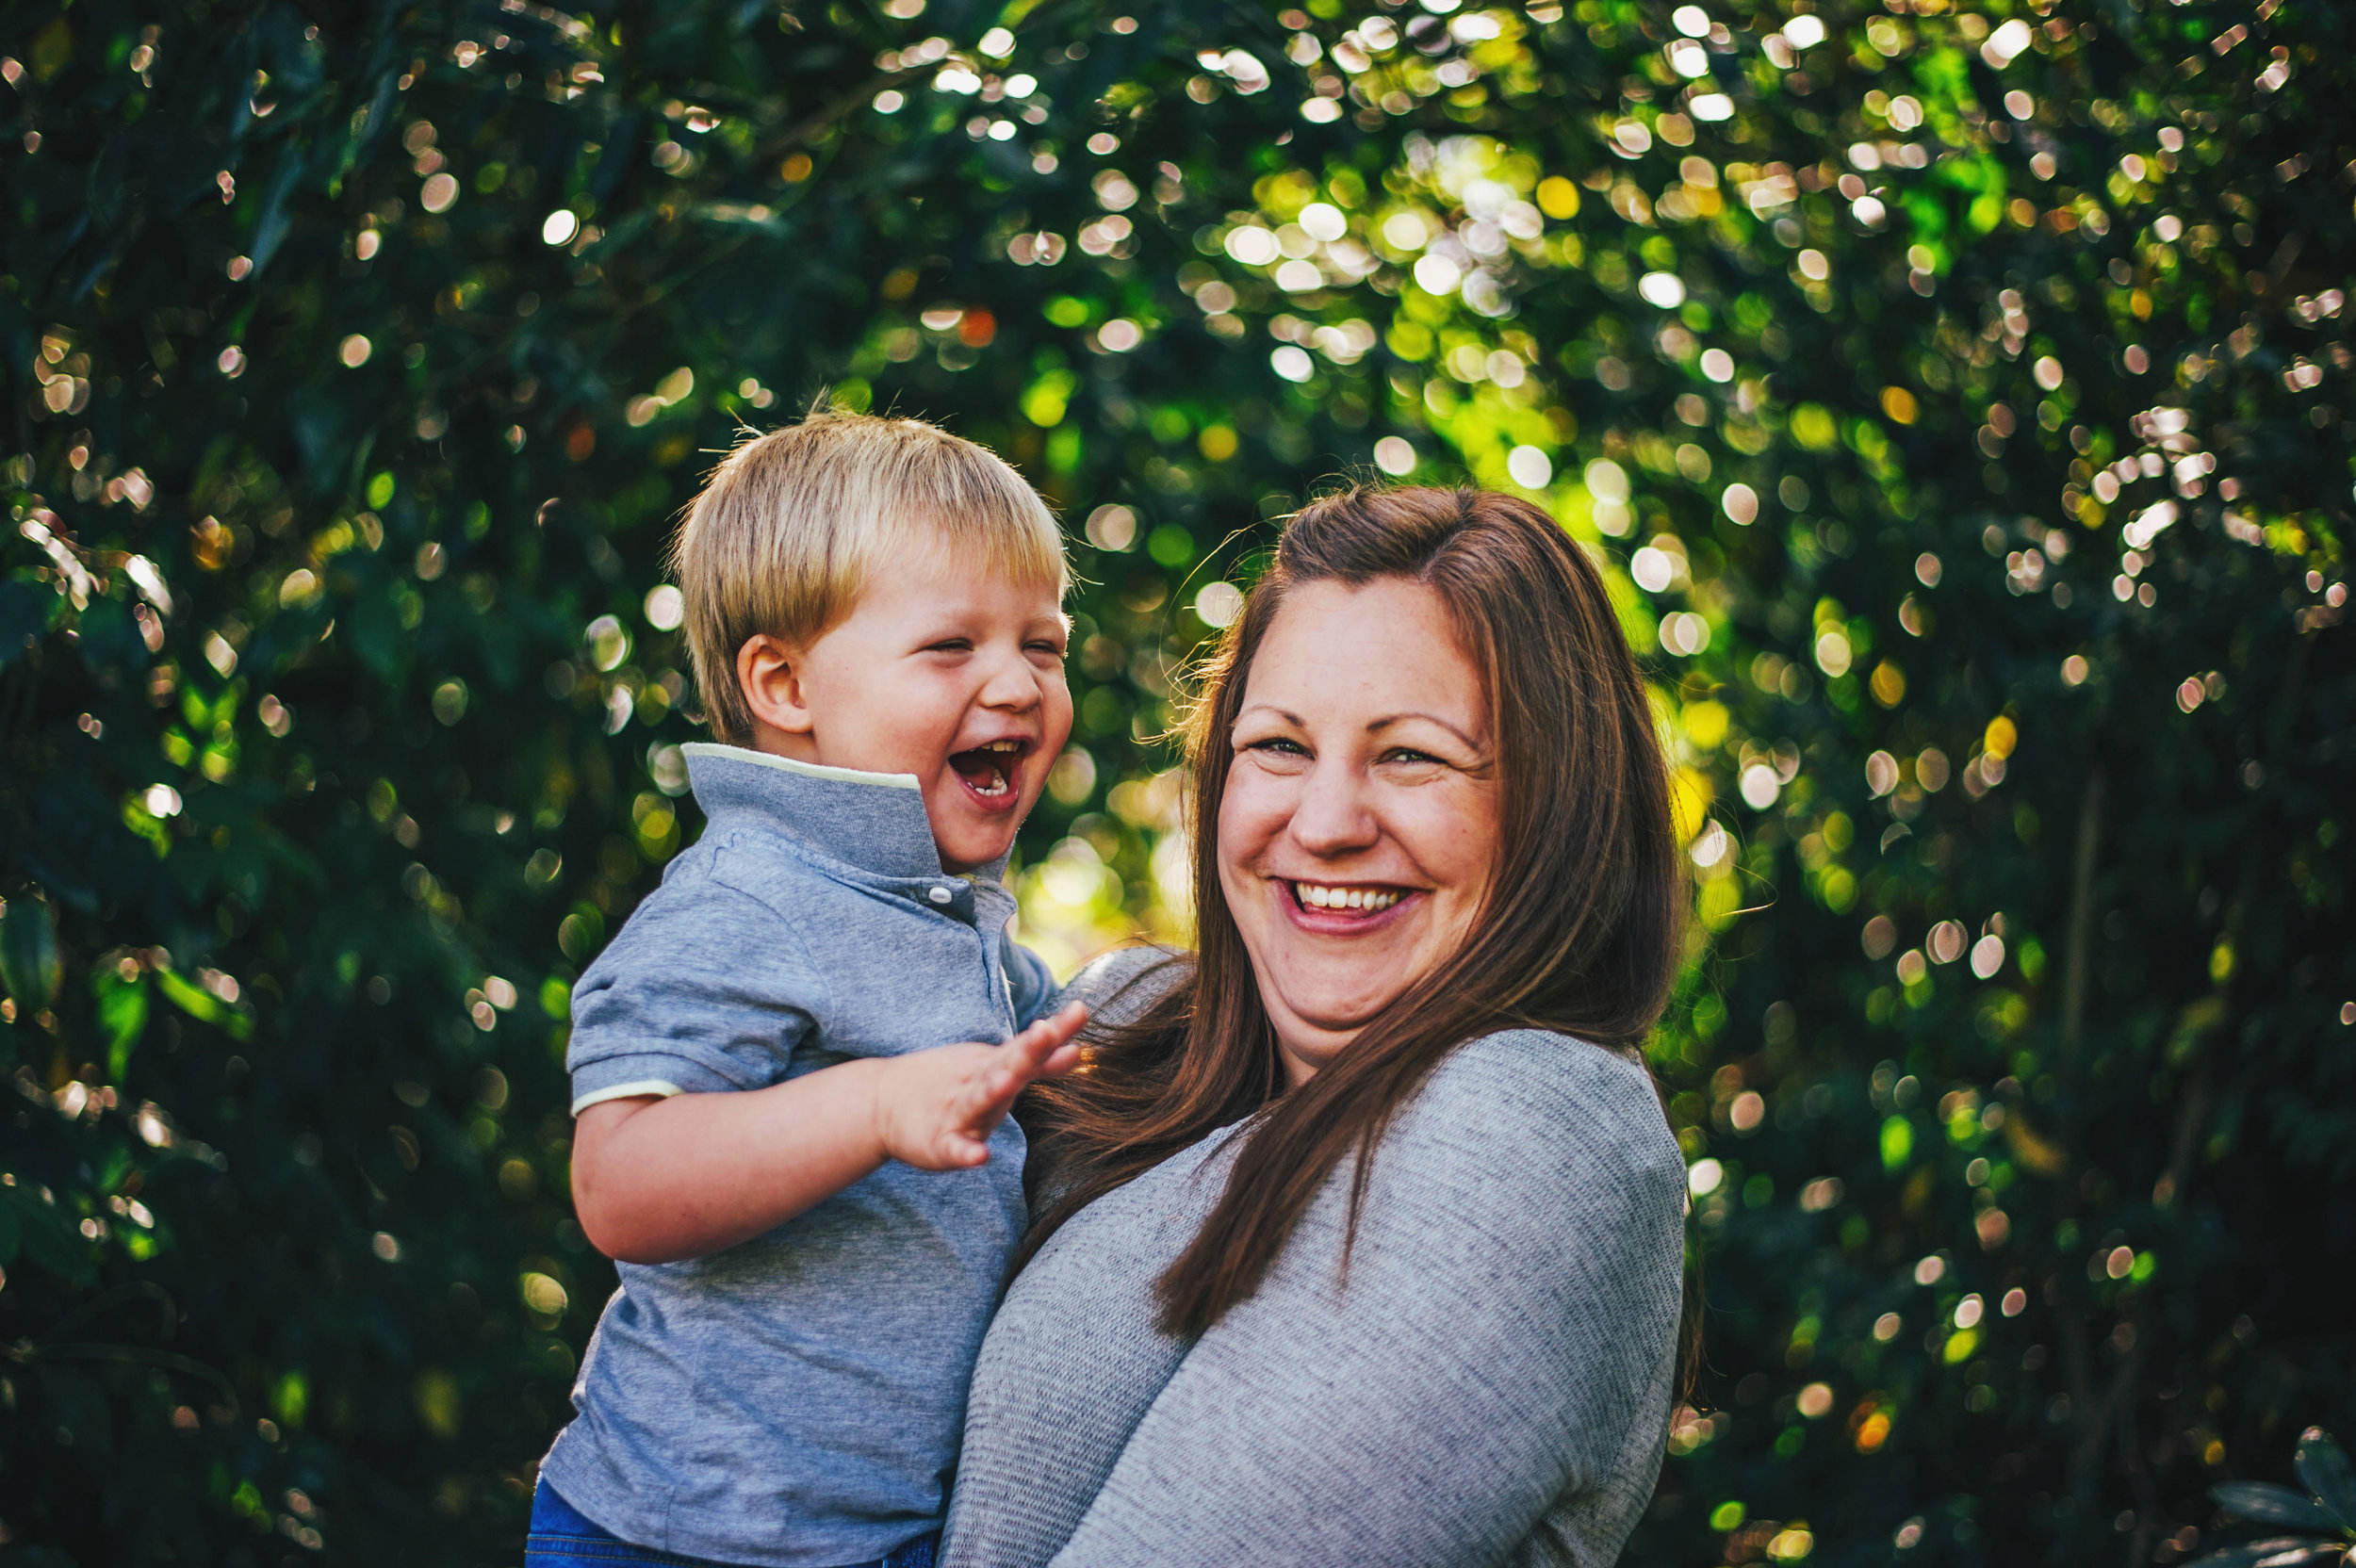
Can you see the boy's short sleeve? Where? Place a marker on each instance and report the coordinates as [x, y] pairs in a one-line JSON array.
[[697, 993], [1030, 984]]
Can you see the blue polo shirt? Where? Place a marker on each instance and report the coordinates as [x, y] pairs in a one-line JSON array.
[[795, 1400]]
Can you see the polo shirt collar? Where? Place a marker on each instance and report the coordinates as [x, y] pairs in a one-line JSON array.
[[872, 822]]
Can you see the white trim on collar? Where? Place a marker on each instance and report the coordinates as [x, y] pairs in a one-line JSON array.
[[809, 770]]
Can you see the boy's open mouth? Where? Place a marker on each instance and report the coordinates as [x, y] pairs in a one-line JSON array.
[[989, 770]]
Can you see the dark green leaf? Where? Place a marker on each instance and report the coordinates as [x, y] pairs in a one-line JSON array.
[[74, 1406], [2264, 1503], [45, 1237], [2322, 1464], [30, 964], [26, 611]]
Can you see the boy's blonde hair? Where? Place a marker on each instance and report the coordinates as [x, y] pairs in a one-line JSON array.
[[790, 524]]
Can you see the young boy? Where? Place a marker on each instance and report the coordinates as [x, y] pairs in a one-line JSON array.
[[810, 1186]]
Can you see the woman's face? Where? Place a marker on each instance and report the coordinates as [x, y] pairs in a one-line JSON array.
[[1358, 832]]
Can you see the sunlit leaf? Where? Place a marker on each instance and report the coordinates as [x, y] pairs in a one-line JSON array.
[[122, 1008], [199, 1003]]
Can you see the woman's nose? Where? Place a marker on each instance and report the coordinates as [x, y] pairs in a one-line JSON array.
[[1332, 815]]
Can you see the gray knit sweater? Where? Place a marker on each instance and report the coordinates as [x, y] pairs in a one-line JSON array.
[[1489, 1385]]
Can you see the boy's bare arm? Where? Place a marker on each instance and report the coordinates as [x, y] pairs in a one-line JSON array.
[[659, 1179]]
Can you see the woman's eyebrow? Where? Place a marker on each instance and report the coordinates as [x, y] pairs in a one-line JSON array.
[[1376, 727], [1290, 718]]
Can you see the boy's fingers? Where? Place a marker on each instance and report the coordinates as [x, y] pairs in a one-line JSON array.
[[993, 1098], [1042, 1051], [1051, 1060], [1023, 1053], [993, 1094], [1043, 1038]]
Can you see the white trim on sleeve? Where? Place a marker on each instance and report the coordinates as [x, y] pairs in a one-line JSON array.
[[659, 1088]]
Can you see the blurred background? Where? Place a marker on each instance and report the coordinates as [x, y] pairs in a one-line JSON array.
[[1954, 392]]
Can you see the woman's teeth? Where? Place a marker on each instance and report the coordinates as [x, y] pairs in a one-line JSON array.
[[1367, 899]]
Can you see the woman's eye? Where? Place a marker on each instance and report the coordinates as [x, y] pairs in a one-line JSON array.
[[1412, 757], [1277, 746]]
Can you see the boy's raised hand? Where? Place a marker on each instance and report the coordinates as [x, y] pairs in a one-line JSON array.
[[936, 1109]]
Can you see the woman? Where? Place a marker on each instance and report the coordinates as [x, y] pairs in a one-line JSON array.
[[1360, 1242]]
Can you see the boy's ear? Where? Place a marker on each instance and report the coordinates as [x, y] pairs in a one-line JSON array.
[[769, 672]]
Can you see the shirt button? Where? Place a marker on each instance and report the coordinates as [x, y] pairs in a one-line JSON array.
[[943, 895]]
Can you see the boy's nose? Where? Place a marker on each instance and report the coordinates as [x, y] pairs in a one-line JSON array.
[[1012, 684]]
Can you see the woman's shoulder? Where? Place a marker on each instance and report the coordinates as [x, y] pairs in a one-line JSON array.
[[1554, 1099], [1120, 985]]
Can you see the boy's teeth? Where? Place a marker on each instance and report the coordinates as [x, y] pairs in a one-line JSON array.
[[1317, 896], [994, 761]]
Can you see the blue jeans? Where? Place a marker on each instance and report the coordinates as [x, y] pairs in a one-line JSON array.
[[561, 1538]]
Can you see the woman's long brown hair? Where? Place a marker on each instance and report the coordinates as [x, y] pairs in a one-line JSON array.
[[1578, 934]]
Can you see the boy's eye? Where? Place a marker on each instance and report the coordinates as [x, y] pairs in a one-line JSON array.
[[952, 645]]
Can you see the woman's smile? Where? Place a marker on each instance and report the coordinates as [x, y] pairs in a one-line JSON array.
[[1349, 911]]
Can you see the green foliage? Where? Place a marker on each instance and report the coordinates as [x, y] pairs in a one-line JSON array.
[[2322, 1509], [1956, 394]]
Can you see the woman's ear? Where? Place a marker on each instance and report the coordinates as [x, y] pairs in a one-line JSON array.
[[769, 672]]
